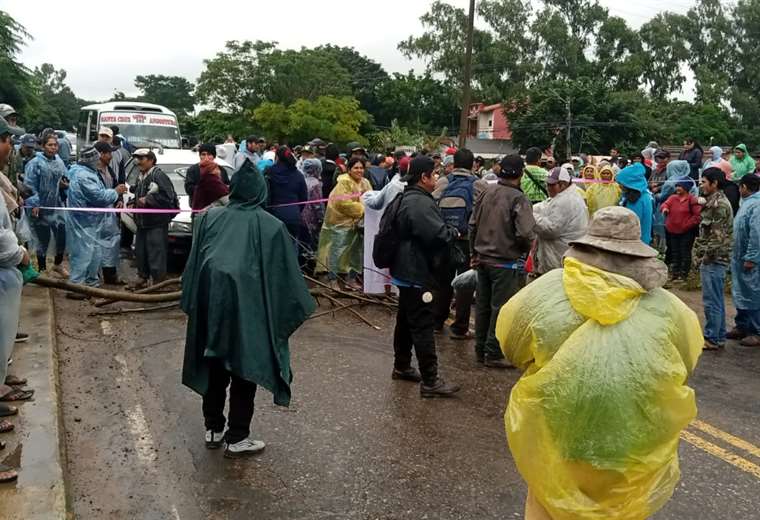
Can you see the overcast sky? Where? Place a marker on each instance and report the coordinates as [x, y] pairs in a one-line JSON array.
[[103, 48]]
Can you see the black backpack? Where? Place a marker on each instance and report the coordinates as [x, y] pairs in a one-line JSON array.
[[387, 239]]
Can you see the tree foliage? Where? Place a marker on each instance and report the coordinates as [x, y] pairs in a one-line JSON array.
[[54, 105], [335, 119], [15, 78], [173, 92], [416, 102]]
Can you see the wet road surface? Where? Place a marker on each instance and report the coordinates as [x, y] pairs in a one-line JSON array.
[[353, 444]]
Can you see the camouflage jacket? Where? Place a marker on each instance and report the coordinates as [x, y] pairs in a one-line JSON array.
[[713, 245]]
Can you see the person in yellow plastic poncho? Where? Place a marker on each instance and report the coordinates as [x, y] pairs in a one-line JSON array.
[[593, 423], [340, 241], [604, 192]]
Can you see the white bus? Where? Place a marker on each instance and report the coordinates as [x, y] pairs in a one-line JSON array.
[[144, 125]]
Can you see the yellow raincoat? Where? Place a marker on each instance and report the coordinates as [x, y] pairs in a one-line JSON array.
[[340, 242], [594, 422], [601, 195]]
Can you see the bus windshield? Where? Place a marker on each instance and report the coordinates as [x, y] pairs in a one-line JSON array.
[[146, 135], [143, 129]]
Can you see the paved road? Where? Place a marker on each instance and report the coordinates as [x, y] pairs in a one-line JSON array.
[[353, 444]]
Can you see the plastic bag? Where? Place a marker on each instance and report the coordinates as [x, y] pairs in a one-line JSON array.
[[22, 229], [467, 281], [594, 422]]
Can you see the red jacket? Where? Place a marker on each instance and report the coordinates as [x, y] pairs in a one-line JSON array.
[[683, 213]]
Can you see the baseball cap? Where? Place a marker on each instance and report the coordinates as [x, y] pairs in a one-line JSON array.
[[261, 140], [558, 175], [29, 140], [104, 130], [512, 165], [144, 152], [5, 128]]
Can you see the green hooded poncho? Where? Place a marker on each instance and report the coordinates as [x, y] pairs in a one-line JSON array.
[[243, 292], [744, 166]]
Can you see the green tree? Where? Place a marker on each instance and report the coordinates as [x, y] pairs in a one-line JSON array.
[[365, 74], [55, 104], [498, 57], [214, 126], [745, 76], [711, 49], [599, 118], [665, 49], [336, 119], [417, 102], [173, 92], [236, 78], [303, 74], [396, 135], [15, 79]]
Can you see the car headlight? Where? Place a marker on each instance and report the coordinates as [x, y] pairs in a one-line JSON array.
[[180, 227]]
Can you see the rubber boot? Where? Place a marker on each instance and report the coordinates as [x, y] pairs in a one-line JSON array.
[[110, 277]]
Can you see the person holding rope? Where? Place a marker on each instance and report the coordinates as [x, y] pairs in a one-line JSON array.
[[87, 233]]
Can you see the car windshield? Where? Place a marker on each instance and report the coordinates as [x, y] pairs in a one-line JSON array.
[[176, 174]]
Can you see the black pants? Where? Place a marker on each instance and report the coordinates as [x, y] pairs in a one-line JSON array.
[[151, 250], [679, 247], [414, 328], [495, 287], [242, 394], [464, 299]]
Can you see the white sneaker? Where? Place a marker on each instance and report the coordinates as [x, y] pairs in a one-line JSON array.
[[244, 448], [214, 439], [60, 271]]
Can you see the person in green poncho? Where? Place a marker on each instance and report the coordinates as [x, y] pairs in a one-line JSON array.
[[244, 295], [741, 162]]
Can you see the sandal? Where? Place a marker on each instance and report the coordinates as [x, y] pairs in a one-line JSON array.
[[18, 394], [7, 410], [7, 474], [6, 426], [15, 381]]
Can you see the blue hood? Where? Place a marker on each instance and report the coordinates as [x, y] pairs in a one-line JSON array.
[[632, 177]]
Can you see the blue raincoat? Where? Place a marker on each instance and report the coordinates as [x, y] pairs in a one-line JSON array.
[[11, 282], [632, 178], [745, 284], [42, 176], [88, 234]]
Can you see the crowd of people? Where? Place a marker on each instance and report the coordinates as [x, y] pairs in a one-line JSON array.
[[556, 256]]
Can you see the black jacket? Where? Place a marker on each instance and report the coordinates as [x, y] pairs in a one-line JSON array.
[[163, 198], [328, 176], [425, 240], [193, 177]]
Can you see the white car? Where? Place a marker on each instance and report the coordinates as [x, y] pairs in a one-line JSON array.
[[175, 164]]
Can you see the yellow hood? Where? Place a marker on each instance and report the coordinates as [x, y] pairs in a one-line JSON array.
[[604, 297]]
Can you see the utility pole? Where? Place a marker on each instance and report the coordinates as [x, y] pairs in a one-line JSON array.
[[569, 127], [463, 126]]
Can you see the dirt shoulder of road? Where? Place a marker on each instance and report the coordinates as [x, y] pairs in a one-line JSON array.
[[35, 447]]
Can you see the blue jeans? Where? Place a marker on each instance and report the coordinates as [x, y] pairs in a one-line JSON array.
[[713, 299], [748, 321]]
